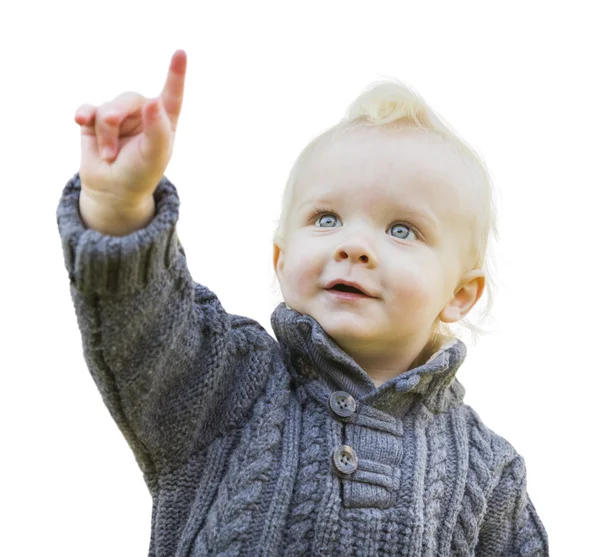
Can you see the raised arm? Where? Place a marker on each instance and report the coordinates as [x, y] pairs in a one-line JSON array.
[[171, 365]]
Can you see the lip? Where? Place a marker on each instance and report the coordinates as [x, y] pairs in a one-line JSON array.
[[350, 295]]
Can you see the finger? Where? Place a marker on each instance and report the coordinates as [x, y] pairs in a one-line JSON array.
[[109, 117], [107, 131], [85, 115], [155, 125], [172, 93]]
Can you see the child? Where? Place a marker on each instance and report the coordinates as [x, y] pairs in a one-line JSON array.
[[346, 436]]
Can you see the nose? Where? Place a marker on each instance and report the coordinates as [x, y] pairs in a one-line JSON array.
[[357, 251]]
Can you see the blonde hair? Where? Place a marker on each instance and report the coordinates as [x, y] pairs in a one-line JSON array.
[[392, 104]]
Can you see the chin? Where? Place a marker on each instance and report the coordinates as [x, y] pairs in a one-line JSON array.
[[346, 330]]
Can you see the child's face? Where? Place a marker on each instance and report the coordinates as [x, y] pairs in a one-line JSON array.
[[370, 187]]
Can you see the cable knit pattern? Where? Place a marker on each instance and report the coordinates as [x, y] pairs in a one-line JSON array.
[[258, 446], [437, 476], [478, 478], [307, 495], [252, 467], [511, 525]]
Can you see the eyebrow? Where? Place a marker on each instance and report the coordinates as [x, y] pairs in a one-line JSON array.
[[421, 214]]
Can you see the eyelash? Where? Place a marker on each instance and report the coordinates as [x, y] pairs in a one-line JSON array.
[[318, 212]]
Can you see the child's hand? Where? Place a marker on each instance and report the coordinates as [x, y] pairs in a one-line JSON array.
[[139, 134]]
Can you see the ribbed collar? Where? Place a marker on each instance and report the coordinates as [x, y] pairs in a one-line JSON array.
[[313, 354]]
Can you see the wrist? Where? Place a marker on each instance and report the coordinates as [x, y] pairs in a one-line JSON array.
[[113, 216]]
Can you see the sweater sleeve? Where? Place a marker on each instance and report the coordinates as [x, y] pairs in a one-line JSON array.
[[511, 525], [173, 368]]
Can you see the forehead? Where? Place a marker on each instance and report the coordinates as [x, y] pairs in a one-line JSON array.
[[379, 167]]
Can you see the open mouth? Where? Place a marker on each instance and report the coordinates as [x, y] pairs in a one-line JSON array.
[[345, 288], [348, 289]]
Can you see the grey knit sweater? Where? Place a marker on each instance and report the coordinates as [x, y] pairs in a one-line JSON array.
[[261, 447]]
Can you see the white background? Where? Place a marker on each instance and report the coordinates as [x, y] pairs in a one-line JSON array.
[[518, 81]]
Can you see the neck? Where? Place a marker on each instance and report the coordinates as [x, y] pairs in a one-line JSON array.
[[385, 364]]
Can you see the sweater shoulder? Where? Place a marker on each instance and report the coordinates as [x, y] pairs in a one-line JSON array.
[[248, 332], [485, 444]]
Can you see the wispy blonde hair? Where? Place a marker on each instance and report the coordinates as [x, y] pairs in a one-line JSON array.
[[392, 104]]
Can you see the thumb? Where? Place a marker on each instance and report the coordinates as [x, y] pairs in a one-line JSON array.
[[155, 137]]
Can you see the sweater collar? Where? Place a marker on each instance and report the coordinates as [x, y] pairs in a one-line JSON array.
[[312, 354]]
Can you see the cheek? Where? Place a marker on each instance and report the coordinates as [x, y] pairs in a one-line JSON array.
[[414, 283], [301, 270]]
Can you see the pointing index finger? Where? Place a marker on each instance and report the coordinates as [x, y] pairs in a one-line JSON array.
[[172, 93]]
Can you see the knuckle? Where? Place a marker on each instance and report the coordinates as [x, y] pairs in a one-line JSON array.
[[103, 109], [107, 113], [128, 95], [86, 111], [85, 108], [130, 100], [112, 112]]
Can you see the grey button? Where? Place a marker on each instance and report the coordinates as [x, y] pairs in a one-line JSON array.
[[342, 403], [345, 459]]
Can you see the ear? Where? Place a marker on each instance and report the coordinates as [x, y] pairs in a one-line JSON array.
[[466, 296], [277, 259]]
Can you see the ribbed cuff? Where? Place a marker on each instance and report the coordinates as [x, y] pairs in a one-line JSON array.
[[111, 265]]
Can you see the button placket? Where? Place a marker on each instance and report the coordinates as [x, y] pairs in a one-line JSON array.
[[344, 458]]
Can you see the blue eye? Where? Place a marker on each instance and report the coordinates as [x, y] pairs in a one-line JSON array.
[[400, 227], [327, 220]]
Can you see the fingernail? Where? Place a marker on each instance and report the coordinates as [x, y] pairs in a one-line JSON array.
[[106, 152]]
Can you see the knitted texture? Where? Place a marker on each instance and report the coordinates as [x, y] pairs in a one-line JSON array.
[[237, 434]]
